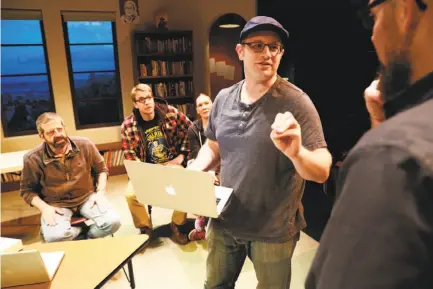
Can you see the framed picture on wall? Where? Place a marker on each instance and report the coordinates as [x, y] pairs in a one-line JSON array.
[[129, 11]]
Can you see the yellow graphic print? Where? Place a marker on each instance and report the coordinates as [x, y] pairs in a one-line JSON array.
[[157, 150]]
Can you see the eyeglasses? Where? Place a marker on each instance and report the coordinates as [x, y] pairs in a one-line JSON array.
[[258, 47], [367, 17], [144, 99]]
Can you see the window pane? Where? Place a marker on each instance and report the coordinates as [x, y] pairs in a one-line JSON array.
[[21, 32], [92, 57], [23, 60], [98, 111], [95, 85], [89, 32], [24, 98]]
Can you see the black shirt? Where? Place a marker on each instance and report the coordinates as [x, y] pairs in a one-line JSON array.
[[157, 150], [380, 234]]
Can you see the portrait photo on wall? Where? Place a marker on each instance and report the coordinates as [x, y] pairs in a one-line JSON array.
[[129, 11]]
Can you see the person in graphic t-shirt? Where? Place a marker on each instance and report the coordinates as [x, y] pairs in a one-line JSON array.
[[157, 134]]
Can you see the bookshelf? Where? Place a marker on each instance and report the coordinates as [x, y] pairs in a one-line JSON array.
[[164, 60], [10, 181], [113, 157]]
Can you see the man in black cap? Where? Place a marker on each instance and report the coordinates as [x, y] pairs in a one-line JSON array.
[[380, 234], [269, 137]]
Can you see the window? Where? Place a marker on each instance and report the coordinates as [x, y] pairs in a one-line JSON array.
[[93, 68], [25, 78]]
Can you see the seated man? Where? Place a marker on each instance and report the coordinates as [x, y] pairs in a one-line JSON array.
[[154, 134], [58, 178], [197, 138]]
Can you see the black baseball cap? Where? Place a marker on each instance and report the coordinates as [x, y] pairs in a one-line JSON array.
[[264, 23]]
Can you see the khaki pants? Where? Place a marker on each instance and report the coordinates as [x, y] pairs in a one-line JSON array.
[[139, 213]]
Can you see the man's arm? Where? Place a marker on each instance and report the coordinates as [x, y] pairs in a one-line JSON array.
[[207, 158], [100, 173], [181, 139], [128, 148], [30, 188], [194, 143], [101, 182], [39, 203], [183, 123], [313, 165], [30, 185], [381, 229], [302, 141], [98, 167]]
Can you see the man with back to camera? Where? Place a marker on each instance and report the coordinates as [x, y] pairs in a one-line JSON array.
[[270, 140], [380, 234]]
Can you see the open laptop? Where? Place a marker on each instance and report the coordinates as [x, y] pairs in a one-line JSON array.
[[29, 267], [176, 188]]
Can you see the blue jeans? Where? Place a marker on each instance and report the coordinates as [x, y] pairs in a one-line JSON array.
[[226, 257], [105, 219]]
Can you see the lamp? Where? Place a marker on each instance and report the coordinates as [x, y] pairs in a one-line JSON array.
[[229, 21]]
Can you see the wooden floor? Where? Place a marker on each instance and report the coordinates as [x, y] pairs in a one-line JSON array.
[[167, 265]]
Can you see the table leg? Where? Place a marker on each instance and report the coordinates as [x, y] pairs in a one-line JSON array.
[[131, 274]]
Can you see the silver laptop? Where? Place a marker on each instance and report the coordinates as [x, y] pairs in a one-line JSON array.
[[177, 188]]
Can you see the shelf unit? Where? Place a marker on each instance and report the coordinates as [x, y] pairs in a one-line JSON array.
[[113, 157], [164, 60]]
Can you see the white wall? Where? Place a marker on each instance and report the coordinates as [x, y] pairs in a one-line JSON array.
[[196, 15]]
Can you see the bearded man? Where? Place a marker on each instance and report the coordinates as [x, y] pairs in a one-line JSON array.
[[65, 177]]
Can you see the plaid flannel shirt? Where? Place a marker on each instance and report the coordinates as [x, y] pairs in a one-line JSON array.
[[174, 126]]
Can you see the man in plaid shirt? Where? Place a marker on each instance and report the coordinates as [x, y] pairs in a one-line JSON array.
[[156, 134]]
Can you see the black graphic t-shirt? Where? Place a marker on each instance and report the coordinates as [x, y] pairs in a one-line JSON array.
[[156, 146]]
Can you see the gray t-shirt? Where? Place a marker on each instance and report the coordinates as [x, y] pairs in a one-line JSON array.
[[266, 202]]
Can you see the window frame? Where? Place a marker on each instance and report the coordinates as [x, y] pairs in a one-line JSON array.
[[6, 132], [71, 73]]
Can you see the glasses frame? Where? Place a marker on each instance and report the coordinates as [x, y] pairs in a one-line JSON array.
[[280, 47], [148, 98]]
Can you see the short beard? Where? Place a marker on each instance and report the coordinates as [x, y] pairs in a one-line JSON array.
[[55, 144], [58, 146], [395, 76]]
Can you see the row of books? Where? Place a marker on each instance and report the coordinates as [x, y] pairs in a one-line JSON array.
[[164, 68], [173, 88], [187, 109], [170, 45], [10, 177], [113, 158]]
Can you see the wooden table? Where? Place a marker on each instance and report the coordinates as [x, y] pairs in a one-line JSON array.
[[90, 263], [12, 162]]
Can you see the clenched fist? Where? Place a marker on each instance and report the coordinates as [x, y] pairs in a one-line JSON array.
[[286, 134]]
